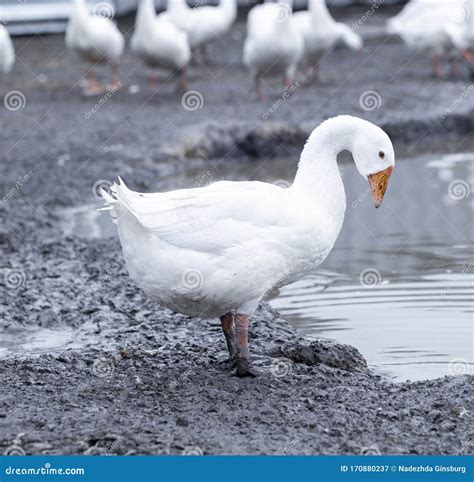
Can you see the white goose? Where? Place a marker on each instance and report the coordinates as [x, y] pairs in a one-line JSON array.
[[7, 53], [202, 24], [461, 32], [158, 41], [275, 47], [429, 26], [96, 39], [215, 251], [321, 33], [259, 15]]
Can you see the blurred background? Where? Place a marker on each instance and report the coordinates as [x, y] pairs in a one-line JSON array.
[[46, 16]]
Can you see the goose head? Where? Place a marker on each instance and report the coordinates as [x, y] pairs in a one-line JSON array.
[[374, 157], [318, 176]]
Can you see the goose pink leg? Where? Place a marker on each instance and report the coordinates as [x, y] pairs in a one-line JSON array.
[[241, 323]]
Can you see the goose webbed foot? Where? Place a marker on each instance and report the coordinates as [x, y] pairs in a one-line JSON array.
[[93, 86], [245, 368]]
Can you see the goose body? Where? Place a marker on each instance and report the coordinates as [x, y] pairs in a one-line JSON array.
[[158, 41], [218, 249], [96, 39], [321, 32], [7, 52], [203, 24], [275, 47]]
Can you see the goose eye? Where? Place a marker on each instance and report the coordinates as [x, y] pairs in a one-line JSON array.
[[381, 154]]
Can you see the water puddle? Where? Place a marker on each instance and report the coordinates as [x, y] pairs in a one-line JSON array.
[[36, 342]]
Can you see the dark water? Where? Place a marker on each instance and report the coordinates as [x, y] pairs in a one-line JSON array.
[[398, 284]]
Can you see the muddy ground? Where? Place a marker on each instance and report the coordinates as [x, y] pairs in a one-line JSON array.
[[135, 378]]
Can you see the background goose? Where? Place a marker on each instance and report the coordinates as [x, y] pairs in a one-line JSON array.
[[461, 32], [203, 24], [321, 33], [429, 26], [275, 47], [7, 53], [215, 251], [159, 42], [96, 39]]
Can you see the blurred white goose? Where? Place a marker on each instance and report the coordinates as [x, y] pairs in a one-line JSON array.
[[259, 15], [321, 33], [202, 24], [96, 39], [429, 26], [161, 44], [215, 251], [461, 30], [7, 53], [275, 47]]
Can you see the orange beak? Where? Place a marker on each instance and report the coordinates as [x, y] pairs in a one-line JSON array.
[[378, 183]]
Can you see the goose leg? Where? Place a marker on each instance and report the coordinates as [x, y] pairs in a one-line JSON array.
[[115, 85], [469, 57], [153, 79], [93, 87], [183, 79], [258, 88], [243, 354], [227, 323], [454, 67], [436, 62]]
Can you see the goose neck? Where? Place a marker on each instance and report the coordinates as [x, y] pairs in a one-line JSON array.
[[318, 179]]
